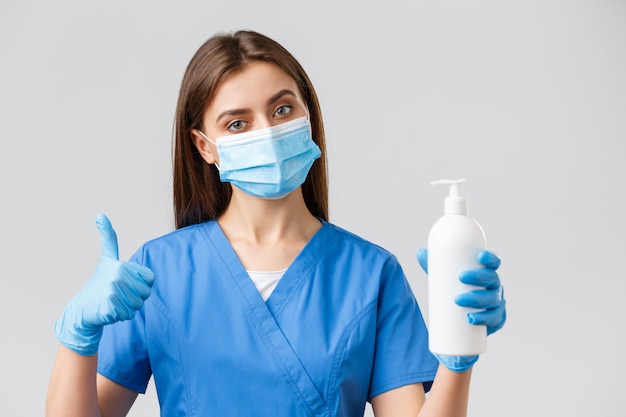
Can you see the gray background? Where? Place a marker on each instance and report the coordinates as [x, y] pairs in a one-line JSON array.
[[524, 99]]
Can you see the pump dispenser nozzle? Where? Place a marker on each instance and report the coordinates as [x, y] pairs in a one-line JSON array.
[[455, 202]]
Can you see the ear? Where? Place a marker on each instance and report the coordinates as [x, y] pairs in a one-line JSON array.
[[207, 150]]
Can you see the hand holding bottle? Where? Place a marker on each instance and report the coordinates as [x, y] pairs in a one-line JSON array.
[[114, 293], [489, 300]]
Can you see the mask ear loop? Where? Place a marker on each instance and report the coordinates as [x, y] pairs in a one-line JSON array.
[[207, 138]]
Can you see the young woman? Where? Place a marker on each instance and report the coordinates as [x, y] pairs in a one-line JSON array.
[[256, 305]]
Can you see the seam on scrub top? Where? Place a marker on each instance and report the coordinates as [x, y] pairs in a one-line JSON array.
[[285, 370], [164, 311], [413, 377], [399, 381], [340, 354], [110, 371]]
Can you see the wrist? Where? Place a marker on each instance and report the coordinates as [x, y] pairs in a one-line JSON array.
[[74, 335]]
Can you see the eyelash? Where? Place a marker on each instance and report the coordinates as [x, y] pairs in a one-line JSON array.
[[285, 106], [229, 127]]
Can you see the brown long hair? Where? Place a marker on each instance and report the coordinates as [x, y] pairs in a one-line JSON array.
[[199, 195]]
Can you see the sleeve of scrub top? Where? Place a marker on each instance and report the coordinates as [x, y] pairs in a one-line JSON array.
[[123, 354], [401, 354]]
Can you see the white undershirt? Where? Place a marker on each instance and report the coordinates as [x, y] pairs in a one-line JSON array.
[[266, 281]]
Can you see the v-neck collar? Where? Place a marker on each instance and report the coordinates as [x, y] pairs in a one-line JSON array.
[[297, 271]]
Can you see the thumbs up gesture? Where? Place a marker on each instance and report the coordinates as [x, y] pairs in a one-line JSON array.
[[114, 293]]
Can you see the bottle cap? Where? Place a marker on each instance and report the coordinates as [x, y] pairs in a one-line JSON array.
[[455, 202]]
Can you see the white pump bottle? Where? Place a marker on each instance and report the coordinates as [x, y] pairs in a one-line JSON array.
[[453, 243]]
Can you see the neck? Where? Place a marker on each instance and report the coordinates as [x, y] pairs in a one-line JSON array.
[[259, 220]]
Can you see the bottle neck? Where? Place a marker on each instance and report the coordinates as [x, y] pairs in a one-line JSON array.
[[455, 205]]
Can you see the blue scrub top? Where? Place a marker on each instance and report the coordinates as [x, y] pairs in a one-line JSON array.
[[341, 327]]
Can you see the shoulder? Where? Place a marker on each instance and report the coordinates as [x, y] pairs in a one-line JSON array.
[[351, 241], [175, 241]]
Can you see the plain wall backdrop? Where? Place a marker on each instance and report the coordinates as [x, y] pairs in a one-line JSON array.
[[524, 99]]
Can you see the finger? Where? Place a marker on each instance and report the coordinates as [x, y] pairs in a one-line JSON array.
[[108, 238], [422, 258], [137, 280], [481, 277], [122, 308], [489, 259], [494, 318], [480, 299], [114, 310], [140, 272], [128, 295], [127, 292]]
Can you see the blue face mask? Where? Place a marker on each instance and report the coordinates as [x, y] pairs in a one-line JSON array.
[[268, 163]]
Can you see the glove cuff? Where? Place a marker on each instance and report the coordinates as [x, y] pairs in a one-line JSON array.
[[82, 340], [457, 363]]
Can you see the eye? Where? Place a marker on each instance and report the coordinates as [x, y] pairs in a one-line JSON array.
[[236, 126], [283, 110]]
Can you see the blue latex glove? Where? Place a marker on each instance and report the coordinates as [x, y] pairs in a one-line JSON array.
[[490, 300], [114, 293]]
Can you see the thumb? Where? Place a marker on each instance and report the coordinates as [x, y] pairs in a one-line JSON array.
[[108, 238], [422, 258]]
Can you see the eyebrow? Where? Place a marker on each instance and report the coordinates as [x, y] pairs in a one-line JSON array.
[[234, 112], [270, 101], [279, 95]]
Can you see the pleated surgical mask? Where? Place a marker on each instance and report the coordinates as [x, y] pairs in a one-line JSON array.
[[268, 163]]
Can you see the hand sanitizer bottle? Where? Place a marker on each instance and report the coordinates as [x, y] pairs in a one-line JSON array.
[[453, 243]]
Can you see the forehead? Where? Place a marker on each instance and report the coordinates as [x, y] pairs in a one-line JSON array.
[[251, 86]]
